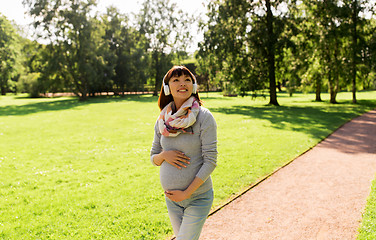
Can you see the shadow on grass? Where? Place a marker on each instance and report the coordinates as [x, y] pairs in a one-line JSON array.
[[317, 121], [204, 97], [64, 104]]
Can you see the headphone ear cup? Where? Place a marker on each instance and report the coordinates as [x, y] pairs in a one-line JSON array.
[[194, 89], [166, 89]]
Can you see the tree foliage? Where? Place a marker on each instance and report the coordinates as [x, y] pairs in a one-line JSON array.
[[256, 44], [77, 55], [336, 41], [8, 53], [248, 46], [166, 28], [91, 53], [247, 38]]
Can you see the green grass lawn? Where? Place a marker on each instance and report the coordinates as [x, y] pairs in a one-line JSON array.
[[81, 170], [367, 229]]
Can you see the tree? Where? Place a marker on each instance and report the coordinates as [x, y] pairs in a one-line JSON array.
[[270, 46], [328, 41], [280, 26], [357, 26], [222, 55], [354, 34], [8, 52], [246, 36], [128, 51], [74, 37], [307, 51], [339, 35], [370, 52], [33, 72], [167, 31]]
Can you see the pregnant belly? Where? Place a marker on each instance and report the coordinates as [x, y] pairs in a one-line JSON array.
[[173, 178]]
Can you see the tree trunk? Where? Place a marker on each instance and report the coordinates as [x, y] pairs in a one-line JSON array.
[[332, 91], [335, 87], [333, 96], [330, 81], [354, 48], [334, 65], [157, 80], [122, 89], [3, 86], [271, 55], [83, 96], [82, 87], [318, 90]]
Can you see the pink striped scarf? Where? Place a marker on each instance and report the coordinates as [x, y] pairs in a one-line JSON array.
[[171, 125]]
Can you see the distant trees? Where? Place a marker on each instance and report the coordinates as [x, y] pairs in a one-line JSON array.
[[224, 55], [248, 46], [77, 53], [8, 53], [254, 44], [339, 40], [328, 41], [166, 29], [127, 55], [90, 53], [246, 37]]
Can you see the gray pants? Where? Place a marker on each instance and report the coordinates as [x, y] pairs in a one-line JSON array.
[[188, 216]]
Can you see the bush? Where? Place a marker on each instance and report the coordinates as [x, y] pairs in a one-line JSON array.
[[229, 90], [12, 86], [29, 84]]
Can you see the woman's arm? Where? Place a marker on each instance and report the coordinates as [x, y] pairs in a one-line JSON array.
[[156, 147], [208, 138]]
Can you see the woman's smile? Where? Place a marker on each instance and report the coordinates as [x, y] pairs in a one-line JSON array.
[[181, 88]]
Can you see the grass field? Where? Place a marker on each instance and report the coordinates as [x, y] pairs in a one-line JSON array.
[[81, 170], [367, 229]]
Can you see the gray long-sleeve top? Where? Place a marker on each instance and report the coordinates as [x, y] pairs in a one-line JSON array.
[[201, 147]]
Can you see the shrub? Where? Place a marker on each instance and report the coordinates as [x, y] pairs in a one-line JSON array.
[[29, 84]]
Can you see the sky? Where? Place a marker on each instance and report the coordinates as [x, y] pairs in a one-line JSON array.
[[14, 10]]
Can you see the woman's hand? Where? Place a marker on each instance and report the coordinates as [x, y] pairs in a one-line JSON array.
[[175, 158], [177, 195]]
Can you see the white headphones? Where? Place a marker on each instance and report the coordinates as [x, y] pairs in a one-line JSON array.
[[166, 88]]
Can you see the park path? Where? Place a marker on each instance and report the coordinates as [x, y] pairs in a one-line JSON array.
[[320, 195]]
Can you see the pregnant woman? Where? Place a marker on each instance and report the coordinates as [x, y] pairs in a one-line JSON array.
[[185, 148]]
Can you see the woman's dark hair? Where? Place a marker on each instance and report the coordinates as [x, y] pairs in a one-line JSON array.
[[175, 71]]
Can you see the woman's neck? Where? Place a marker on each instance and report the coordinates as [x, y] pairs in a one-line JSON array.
[[179, 103]]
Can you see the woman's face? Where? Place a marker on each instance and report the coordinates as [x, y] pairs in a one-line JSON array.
[[181, 87]]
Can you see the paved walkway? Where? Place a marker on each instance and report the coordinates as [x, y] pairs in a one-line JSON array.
[[320, 195]]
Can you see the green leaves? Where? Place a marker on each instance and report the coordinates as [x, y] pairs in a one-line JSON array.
[[166, 28], [306, 45], [8, 52], [245, 37]]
